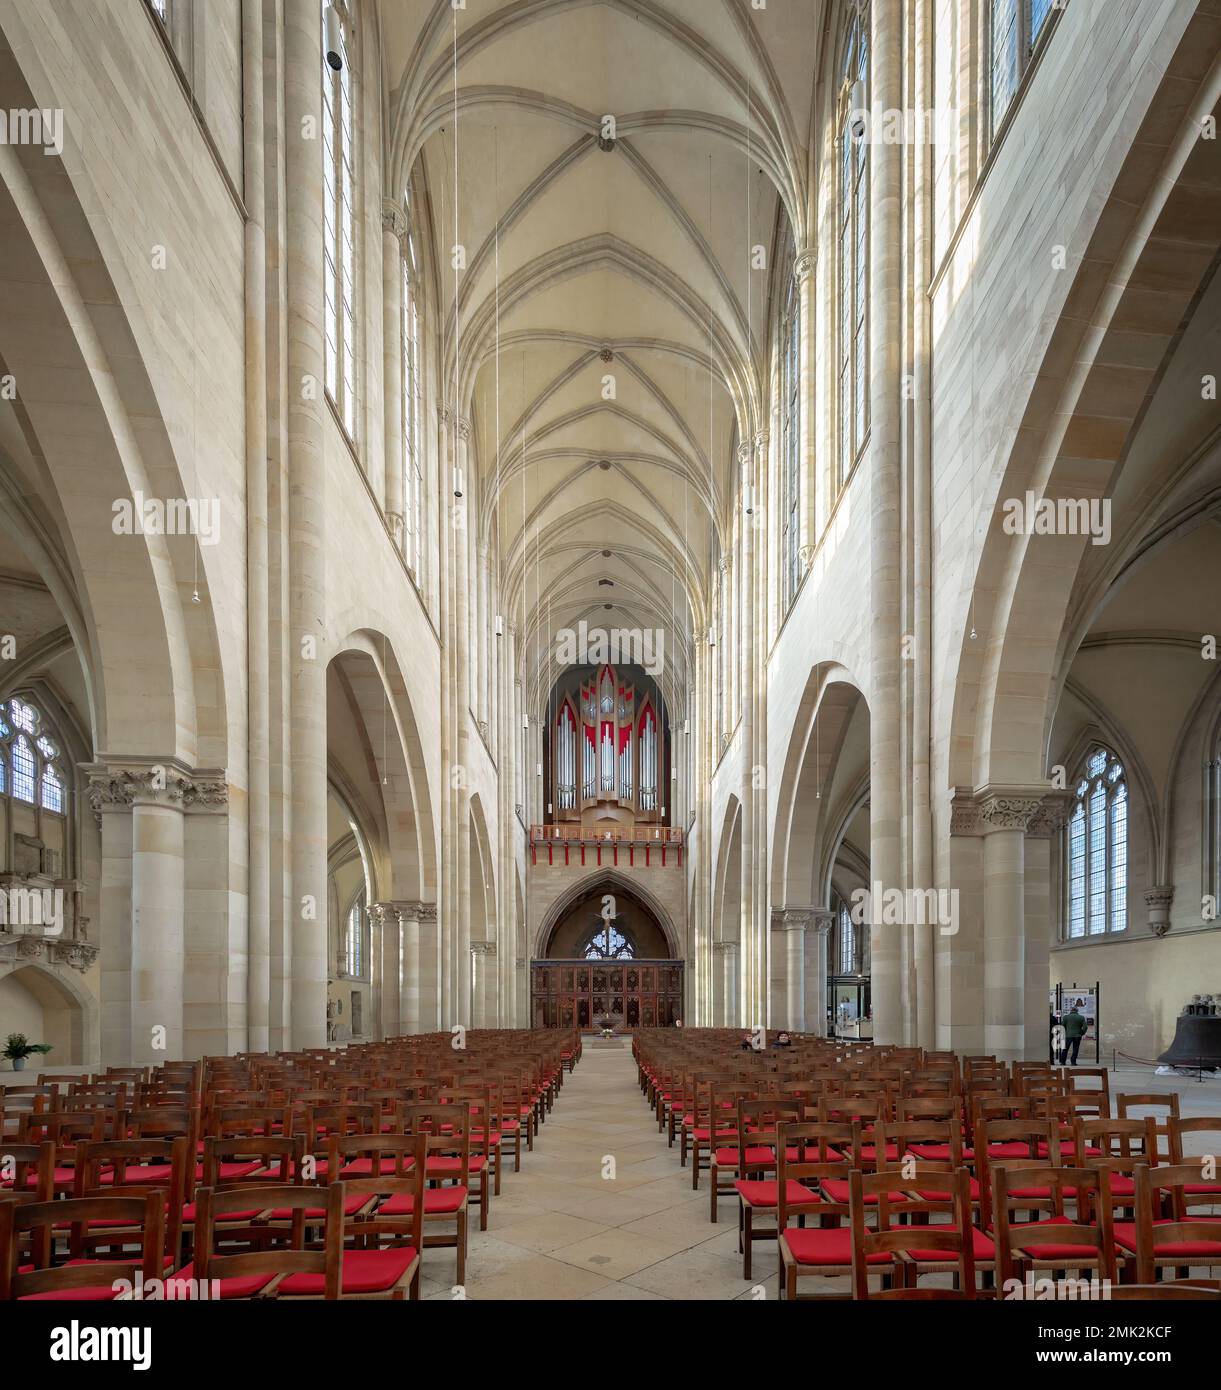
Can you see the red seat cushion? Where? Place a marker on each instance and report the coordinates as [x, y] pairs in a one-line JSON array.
[[351, 1205], [1201, 1189], [1069, 1150], [442, 1167], [364, 1271], [836, 1190], [932, 1196], [139, 1173], [189, 1214], [703, 1135], [228, 1172], [1051, 1252], [363, 1167], [940, 1153], [241, 1286], [1205, 1250], [767, 1194], [64, 1177], [437, 1200], [984, 1249], [869, 1153], [825, 1247]]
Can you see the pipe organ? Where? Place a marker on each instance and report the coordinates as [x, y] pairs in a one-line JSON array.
[[608, 749]]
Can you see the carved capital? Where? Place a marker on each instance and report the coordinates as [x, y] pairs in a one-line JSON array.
[[463, 426], [823, 919], [1157, 901], [394, 219], [426, 912], [728, 947], [986, 810], [483, 948], [1007, 812], [521, 962], [805, 264], [155, 783]]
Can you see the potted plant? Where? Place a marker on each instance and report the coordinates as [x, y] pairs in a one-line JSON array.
[[18, 1047]]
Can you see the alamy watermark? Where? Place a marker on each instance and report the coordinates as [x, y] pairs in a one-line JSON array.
[[617, 646], [39, 126], [33, 907], [174, 516], [906, 907], [1060, 516]]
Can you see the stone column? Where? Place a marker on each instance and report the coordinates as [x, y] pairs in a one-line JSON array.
[[483, 983], [795, 924], [1005, 819], [111, 802], [821, 922], [307, 520], [804, 267], [389, 962], [429, 971], [885, 763], [524, 1005], [258, 830], [460, 920], [728, 951], [410, 993], [157, 922], [394, 230]]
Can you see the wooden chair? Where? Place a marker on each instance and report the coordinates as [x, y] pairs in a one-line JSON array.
[[79, 1279], [759, 1125], [1165, 1290], [826, 1251], [908, 1249], [1056, 1243], [130, 1168], [1168, 1242], [1164, 1108], [1120, 1146], [1203, 1191]]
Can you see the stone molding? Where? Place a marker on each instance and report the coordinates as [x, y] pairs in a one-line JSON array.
[[988, 809], [51, 950], [156, 782]]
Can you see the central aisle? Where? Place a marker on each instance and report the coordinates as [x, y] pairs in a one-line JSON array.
[[560, 1229]]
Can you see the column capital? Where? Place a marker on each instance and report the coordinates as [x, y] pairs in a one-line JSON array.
[[744, 454], [483, 948], [995, 806], [521, 962], [394, 219], [791, 918], [728, 947], [805, 263], [823, 919], [120, 785], [760, 440]]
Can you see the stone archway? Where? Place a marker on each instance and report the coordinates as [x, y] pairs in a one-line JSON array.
[[606, 949]]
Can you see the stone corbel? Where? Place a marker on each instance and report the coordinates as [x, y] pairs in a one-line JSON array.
[[1158, 901]]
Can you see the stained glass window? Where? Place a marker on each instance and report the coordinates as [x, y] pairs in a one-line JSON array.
[[354, 940], [608, 943], [1096, 849], [1014, 29], [30, 766]]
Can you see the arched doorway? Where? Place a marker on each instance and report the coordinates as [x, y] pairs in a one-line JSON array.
[[606, 955]]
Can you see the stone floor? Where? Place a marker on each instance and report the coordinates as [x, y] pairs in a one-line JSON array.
[[602, 1210]]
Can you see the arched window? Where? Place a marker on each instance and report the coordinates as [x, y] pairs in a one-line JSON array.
[[852, 229], [846, 960], [414, 532], [354, 940], [1096, 849], [790, 436], [31, 766], [1014, 29], [161, 8], [339, 219]]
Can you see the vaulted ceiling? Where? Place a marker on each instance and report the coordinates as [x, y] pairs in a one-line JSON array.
[[585, 263]]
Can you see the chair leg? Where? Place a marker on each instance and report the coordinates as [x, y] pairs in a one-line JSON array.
[[483, 1198], [460, 1243], [712, 1196], [747, 1237]]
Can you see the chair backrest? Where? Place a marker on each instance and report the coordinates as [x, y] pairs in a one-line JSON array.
[[1169, 1185], [292, 1258], [27, 1171], [38, 1220], [1182, 1125], [1091, 1228], [132, 1167], [824, 1149], [280, 1157], [1163, 1108], [953, 1239]]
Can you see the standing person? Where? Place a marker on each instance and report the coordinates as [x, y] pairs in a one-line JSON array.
[[1075, 1024]]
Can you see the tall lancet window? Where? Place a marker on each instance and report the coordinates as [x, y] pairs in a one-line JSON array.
[[566, 758], [339, 220], [790, 433], [852, 220], [1014, 30], [1096, 849]]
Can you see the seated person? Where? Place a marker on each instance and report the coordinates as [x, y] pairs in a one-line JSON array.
[[783, 1040]]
